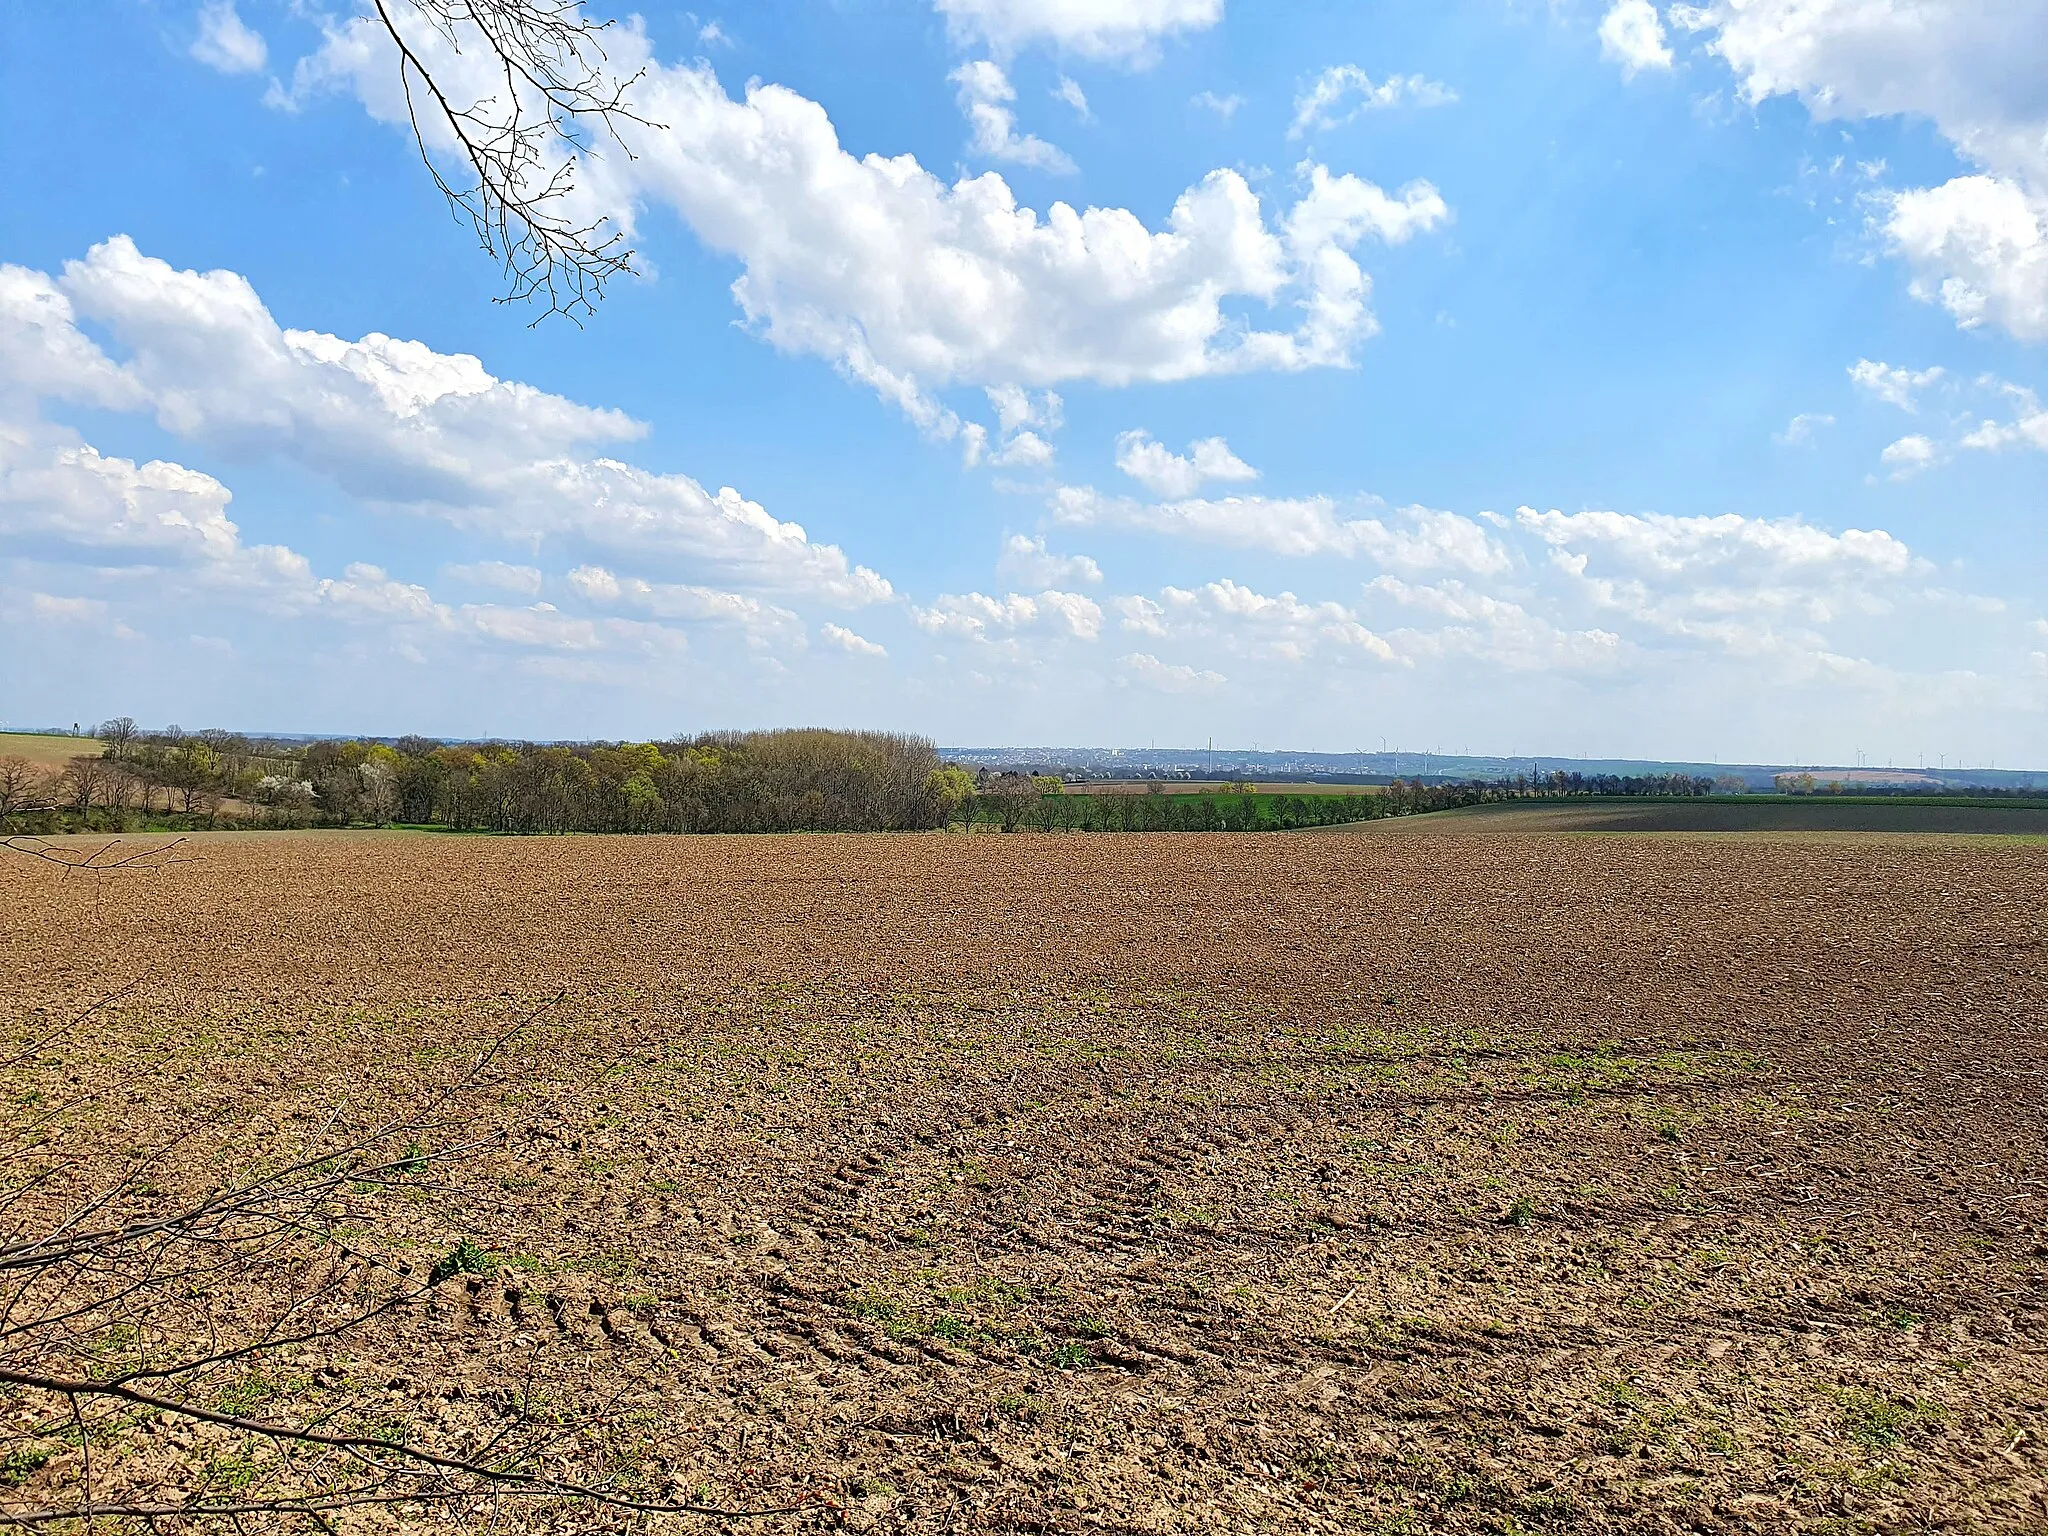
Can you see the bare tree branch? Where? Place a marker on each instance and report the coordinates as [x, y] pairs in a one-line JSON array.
[[518, 146], [371, 1447], [100, 860], [121, 1319]]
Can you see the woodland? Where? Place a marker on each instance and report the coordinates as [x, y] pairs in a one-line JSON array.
[[721, 781]]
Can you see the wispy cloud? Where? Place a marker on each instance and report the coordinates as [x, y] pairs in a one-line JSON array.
[[1344, 92]]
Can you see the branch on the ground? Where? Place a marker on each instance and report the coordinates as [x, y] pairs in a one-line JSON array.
[[378, 1452], [116, 1321], [106, 859]]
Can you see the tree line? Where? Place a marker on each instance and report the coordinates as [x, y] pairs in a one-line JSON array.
[[734, 781], [1808, 784], [1014, 802], [136, 774], [727, 781]]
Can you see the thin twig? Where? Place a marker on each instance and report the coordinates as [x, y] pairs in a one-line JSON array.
[[558, 90], [51, 853], [374, 1445]]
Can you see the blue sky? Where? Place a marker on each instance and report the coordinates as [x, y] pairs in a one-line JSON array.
[[1595, 378]]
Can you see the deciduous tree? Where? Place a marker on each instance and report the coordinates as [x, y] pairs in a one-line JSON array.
[[23, 787], [117, 733]]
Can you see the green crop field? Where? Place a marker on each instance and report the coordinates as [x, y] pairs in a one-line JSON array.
[[1183, 812], [1744, 813], [1214, 786]]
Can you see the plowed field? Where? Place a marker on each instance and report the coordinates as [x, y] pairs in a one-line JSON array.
[[1196, 1183]]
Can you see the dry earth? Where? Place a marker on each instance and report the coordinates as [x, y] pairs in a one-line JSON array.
[[1195, 1183], [52, 752]]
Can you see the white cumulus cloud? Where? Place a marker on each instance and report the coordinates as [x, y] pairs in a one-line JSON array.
[[1344, 91], [390, 420], [909, 284], [1908, 456], [1165, 473], [1023, 450], [66, 610], [43, 352], [1018, 408], [1418, 538], [383, 416], [1747, 586], [1149, 671], [55, 488], [1977, 244], [1461, 622], [1632, 35], [976, 616], [1894, 386], [226, 43], [686, 601], [2027, 429], [846, 640], [1972, 67], [100, 516], [1127, 31], [1028, 563], [1021, 418], [985, 98], [1735, 548], [1252, 623], [1802, 429], [522, 579]]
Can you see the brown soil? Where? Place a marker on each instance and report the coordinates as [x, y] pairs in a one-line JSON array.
[[51, 752], [1195, 1183]]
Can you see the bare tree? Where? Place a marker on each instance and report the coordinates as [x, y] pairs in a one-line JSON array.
[[117, 733], [128, 787], [23, 787], [554, 99], [85, 782]]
